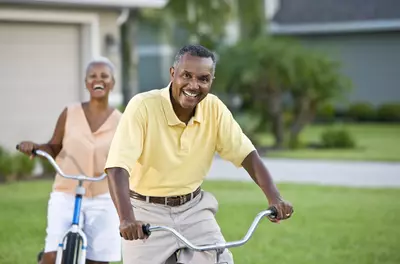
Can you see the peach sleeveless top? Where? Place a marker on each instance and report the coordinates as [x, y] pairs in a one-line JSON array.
[[84, 152]]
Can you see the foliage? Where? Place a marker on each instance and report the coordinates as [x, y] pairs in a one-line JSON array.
[[362, 111], [326, 112], [22, 166], [263, 71], [252, 20], [318, 81], [6, 168], [203, 21], [389, 112], [337, 138], [14, 166]]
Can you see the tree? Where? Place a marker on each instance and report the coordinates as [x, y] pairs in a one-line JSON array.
[[203, 21], [318, 81], [252, 20], [129, 57], [265, 69], [259, 70]]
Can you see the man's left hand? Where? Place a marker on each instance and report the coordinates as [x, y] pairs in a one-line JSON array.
[[284, 210], [255, 166]]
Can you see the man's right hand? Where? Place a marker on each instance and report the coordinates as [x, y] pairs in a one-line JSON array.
[[132, 230], [118, 183]]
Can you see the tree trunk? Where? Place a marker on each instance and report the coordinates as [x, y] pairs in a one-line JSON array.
[[304, 112], [274, 108], [129, 58], [252, 20]]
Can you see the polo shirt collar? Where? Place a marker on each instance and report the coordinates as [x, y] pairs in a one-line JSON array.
[[170, 115]]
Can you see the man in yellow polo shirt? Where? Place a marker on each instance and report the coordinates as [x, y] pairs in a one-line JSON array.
[[161, 152]]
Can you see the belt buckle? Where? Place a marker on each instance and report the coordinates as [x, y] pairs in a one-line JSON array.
[[169, 201], [183, 199]]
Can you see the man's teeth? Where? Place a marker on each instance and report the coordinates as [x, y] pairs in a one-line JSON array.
[[98, 86], [187, 93]]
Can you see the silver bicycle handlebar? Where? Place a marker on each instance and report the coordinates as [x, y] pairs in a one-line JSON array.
[[270, 212], [59, 171]]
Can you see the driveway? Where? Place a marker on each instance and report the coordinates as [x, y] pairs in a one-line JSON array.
[[340, 173]]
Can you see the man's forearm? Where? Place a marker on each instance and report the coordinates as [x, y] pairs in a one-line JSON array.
[[118, 182], [260, 174]]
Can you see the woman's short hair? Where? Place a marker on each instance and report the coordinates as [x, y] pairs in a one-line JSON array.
[[104, 61]]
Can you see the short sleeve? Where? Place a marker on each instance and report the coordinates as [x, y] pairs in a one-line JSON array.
[[127, 144], [232, 144]]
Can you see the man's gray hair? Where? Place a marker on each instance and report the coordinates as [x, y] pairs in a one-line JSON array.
[[194, 50], [104, 61]]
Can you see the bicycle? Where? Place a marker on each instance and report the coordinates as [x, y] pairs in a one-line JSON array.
[[72, 246], [219, 247]]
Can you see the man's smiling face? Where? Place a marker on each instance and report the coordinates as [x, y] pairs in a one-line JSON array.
[[191, 80]]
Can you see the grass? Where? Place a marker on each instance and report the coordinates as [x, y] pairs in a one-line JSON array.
[[331, 225], [375, 142]]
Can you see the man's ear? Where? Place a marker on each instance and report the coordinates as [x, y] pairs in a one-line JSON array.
[[172, 73]]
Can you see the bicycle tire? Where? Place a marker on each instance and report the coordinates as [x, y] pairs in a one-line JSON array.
[[72, 250]]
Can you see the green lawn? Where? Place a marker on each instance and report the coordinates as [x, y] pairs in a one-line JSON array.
[[331, 225], [375, 142]]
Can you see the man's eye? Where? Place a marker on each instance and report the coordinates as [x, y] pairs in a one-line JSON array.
[[186, 75]]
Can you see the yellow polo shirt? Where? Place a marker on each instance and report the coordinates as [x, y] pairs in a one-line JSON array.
[[166, 157]]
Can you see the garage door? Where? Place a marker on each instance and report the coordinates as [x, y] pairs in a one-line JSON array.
[[39, 75], [371, 60]]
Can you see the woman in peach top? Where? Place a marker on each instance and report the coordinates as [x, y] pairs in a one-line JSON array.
[[80, 144]]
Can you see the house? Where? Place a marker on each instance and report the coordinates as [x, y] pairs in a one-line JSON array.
[[364, 35], [44, 48]]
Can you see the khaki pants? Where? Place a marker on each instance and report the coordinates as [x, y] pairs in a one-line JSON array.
[[195, 220]]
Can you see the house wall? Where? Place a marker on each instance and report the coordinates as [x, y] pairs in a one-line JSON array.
[[107, 25], [43, 56], [371, 60]]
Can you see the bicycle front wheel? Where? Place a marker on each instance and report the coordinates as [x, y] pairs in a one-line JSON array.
[[72, 250]]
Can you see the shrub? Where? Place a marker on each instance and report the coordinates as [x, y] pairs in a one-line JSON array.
[[6, 166], [337, 138], [389, 112], [296, 143], [326, 113], [22, 166], [14, 166], [3, 151], [362, 111]]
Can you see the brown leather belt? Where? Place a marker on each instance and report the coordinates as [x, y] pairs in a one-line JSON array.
[[170, 200]]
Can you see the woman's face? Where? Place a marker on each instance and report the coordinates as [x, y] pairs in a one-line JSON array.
[[99, 80]]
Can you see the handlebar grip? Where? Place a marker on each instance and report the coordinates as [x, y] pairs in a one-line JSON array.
[[33, 150], [274, 213], [146, 229]]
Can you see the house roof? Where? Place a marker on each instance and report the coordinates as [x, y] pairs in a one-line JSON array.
[[332, 11], [335, 16], [95, 3]]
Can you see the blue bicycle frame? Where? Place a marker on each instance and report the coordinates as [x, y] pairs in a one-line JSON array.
[[80, 191], [77, 249]]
